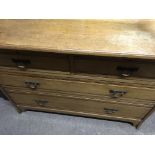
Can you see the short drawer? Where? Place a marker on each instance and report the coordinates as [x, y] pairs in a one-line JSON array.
[[111, 91], [65, 103], [26, 59], [114, 66]]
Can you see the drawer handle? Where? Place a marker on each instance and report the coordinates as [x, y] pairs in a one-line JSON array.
[[117, 93], [21, 63], [41, 102], [32, 84], [125, 71], [110, 111]]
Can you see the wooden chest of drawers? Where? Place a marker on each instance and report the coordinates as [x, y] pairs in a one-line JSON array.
[[96, 68]]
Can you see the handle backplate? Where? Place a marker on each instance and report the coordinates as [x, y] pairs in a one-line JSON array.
[[110, 110], [32, 84], [41, 102], [126, 71], [117, 93], [21, 63]]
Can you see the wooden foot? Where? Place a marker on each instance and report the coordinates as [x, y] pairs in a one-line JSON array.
[[136, 124], [20, 110]]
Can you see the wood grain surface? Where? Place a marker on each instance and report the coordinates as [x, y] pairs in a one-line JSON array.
[[119, 38]]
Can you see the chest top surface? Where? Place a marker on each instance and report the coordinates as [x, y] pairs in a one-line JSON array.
[[118, 38]]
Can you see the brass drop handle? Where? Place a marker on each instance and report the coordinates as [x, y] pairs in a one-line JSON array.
[[21, 63], [126, 71], [41, 102], [110, 111], [32, 84], [117, 93]]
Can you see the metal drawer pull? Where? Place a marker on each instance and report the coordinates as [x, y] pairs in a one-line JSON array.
[[21, 63], [110, 111], [41, 102], [32, 84], [117, 93], [125, 71]]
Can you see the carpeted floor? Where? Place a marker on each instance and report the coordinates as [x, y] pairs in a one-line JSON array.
[[37, 123]]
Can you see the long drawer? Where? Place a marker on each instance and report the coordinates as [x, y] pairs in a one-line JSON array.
[[66, 103], [78, 63], [110, 91]]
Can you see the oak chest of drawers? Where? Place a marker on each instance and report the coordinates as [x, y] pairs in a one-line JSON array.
[[96, 68]]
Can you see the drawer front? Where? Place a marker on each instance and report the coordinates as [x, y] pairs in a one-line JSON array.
[[114, 92], [78, 105], [37, 60], [78, 64], [112, 66]]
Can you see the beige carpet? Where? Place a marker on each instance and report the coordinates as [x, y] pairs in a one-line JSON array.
[[55, 124]]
